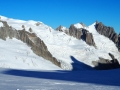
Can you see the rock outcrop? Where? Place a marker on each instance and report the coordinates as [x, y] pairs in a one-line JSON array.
[[83, 24], [59, 28], [83, 34], [36, 44], [63, 29], [105, 64], [73, 31], [8, 31], [108, 32], [118, 43], [89, 39]]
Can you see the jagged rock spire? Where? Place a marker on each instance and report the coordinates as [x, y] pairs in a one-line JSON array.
[[108, 32]]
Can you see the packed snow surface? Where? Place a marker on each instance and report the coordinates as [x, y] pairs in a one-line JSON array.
[[12, 79]]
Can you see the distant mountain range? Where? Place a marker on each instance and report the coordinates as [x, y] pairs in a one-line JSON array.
[[34, 45]]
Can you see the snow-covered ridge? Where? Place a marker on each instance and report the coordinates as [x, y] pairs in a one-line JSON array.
[[80, 25], [17, 24], [63, 46]]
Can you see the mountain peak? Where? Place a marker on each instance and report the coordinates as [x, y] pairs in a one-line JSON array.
[[80, 25]]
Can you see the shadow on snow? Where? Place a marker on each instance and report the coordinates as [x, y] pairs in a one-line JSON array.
[[77, 65], [81, 73]]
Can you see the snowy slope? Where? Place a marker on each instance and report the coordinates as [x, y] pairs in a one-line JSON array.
[[63, 46], [16, 54]]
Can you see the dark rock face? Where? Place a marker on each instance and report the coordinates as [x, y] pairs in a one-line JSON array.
[[118, 43], [104, 64], [89, 39], [73, 31], [108, 32], [30, 29], [8, 32], [83, 24], [79, 33], [36, 44], [60, 28], [82, 34]]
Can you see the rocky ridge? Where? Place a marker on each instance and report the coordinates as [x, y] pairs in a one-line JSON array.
[[79, 33], [36, 44], [108, 32], [85, 35], [104, 64], [62, 29]]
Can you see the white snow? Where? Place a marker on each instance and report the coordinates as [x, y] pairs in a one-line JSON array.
[[63, 46], [28, 71], [16, 54], [1, 24], [78, 25], [64, 28]]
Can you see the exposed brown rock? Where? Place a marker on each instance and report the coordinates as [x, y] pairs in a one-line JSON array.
[[104, 64], [5, 24], [82, 34], [23, 26], [89, 39], [73, 31], [38, 23], [108, 32], [36, 44], [30, 29], [59, 28], [7, 31], [83, 24]]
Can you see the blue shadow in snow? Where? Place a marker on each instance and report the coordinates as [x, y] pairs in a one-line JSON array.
[[77, 65], [106, 77]]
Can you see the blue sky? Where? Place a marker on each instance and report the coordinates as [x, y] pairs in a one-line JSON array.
[[64, 12]]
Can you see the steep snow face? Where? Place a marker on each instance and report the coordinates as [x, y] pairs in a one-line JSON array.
[[64, 28], [80, 25], [1, 24], [63, 46], [104, 44], [16, 54]]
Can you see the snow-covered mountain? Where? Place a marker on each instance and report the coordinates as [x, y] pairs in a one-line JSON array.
[[64, 51]]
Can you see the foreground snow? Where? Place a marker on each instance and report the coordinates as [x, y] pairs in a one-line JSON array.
[[59, 80]]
